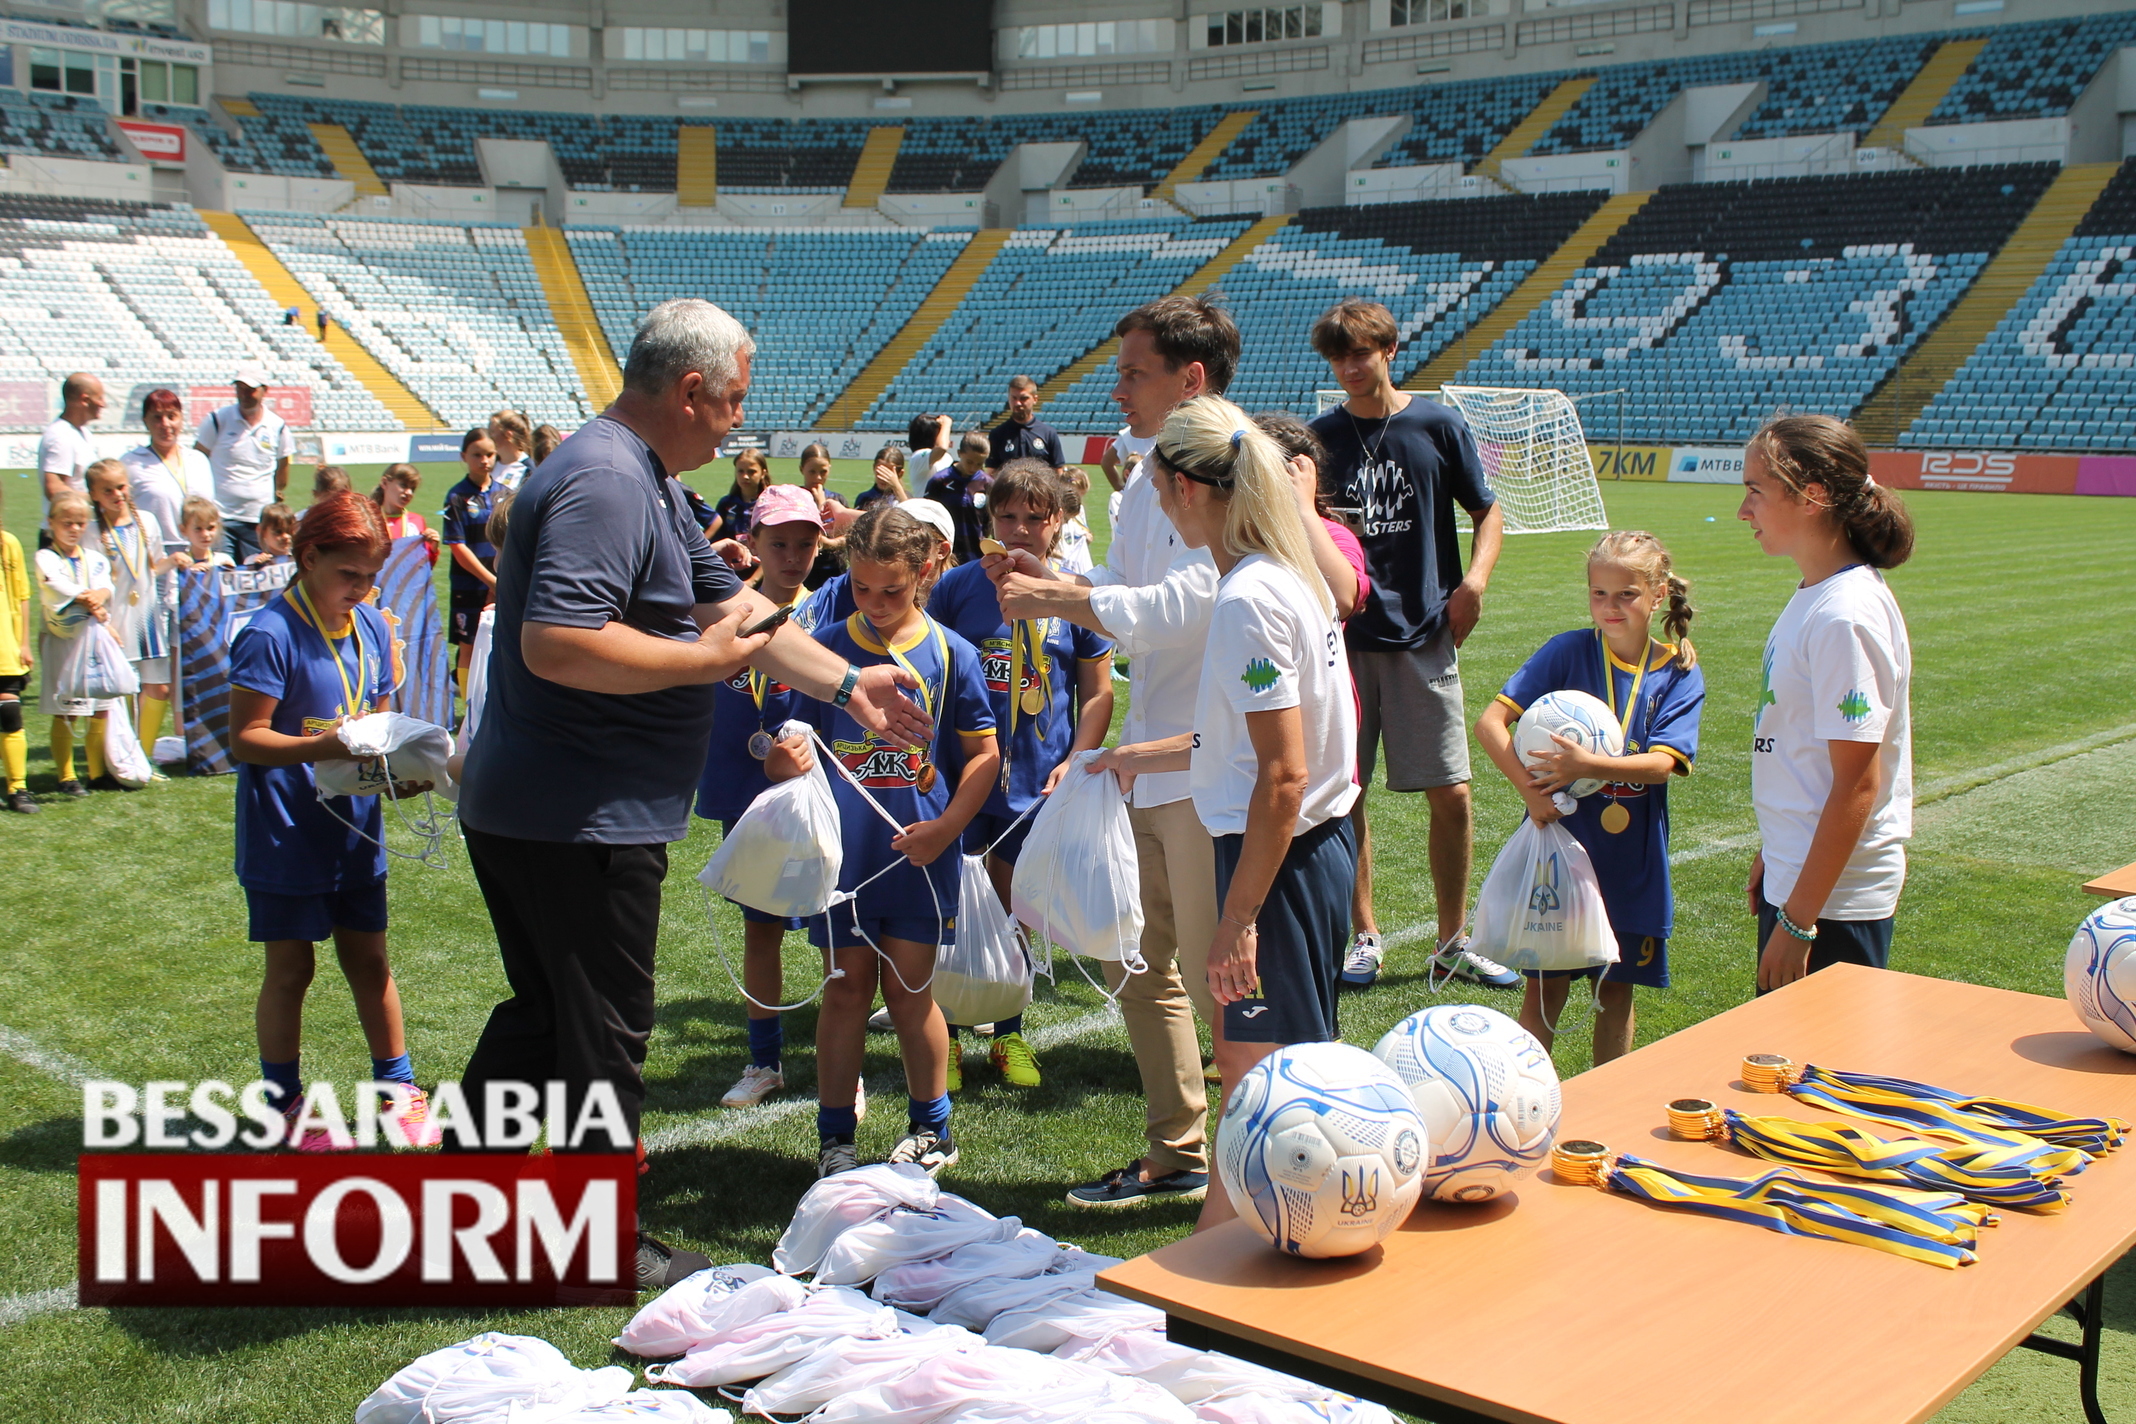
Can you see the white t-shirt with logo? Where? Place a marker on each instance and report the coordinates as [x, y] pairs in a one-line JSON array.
[[161, 487], [243, 458], [1270, 647], [65, 450], [508, 476], [1838, 667]]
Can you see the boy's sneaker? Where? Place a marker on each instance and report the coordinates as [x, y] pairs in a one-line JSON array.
[[1457, 961], [925, 1148], [835, 1155], [415, 1120], [73, 788], [879, 1022], [314, 1140], [1361, 967], [21, 801], [661, 1265], [953, 1070], [1124, 1187], [756, 1084], [1014, 1060]]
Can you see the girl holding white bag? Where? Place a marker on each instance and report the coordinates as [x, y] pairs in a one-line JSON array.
[[1657, 690], [143, 599], [75, 584]]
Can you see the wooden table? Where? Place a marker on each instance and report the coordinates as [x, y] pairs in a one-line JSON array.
[[2115, 883], [1578, 1306]]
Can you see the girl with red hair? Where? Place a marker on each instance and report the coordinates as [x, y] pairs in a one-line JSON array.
[[312, 870]]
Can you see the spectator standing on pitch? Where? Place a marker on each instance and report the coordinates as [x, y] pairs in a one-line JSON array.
[[546, 439], [614, 621], [929, 436], [1831, 767], [277, 528], [960, 488], [1152, 597], [514, 439], [889, 480], [732, 516], [326, 480], [473, 578], [1023, 436], [397, 485], [166, 472], [65, 451], [248, 448], [1405, 461], [324, 322]]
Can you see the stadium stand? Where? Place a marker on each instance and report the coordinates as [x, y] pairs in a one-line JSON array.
[[2034, 71], [1127, 146], [1438, 267], [456, 313], [2059, 371], [1719, 303], [146, 296], [1449, 123], [64, 125], [1050, 295], [820, 302], [235, 150]]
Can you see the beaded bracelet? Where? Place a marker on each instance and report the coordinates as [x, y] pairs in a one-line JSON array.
[[1805, 935]]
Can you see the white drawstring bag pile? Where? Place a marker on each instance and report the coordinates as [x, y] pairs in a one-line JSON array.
[[906, 1234], [396, 748], [921, 1285], [777, 1340], [838, 1203], [1541, 907], [705, 1305], [843, 1366], [1078, 879], [516, 1379], [985, 975], [784, 855]]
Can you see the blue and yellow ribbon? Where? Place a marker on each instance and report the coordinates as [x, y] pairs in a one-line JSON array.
[[2027, 1173], [1996, 1121]]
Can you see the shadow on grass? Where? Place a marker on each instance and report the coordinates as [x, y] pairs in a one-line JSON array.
[[181, 1334], [48, 1146]]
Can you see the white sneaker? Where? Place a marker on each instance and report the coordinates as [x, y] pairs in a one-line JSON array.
[[1458, 961], [756, 1084], [927, 1149], [879, 1022], [1362, 966]]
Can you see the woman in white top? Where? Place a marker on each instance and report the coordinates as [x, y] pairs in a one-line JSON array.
[[165, 472], [1274, 742], [1831, 767]]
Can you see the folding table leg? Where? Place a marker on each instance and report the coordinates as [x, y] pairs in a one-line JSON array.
[[2089, 1310]]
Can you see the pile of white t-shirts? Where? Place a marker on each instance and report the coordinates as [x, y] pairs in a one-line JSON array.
[[517, 1379]]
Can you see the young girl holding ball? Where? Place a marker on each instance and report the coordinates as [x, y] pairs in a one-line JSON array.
[[1657, 690], [1831, 765]]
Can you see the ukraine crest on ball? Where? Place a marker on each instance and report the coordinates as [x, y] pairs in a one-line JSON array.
[[1321, 1150], [1486, 1091], [2099, 974], [1577, 717]]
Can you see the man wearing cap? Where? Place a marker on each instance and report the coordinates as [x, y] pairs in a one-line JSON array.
[[65, 450], [248, 448]]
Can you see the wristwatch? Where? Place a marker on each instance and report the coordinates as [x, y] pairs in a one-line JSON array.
[[845, 688]]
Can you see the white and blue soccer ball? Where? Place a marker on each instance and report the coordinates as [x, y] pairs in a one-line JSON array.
[[2100, 973], [1321, 1150], [1578, 717], [1487, 1092]]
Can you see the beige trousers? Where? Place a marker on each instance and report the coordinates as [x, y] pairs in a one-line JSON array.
[[1178, 866]]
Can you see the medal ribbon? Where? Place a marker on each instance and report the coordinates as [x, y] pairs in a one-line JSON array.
[[117, 545], [760, 683], [2026, 1174], [309, 616], [1997, 1122], [1609, 683], [927, 697]]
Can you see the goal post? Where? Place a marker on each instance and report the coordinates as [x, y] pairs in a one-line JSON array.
[[1534, 454]]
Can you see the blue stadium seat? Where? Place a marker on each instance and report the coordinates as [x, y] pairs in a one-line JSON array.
[[2034, 71]]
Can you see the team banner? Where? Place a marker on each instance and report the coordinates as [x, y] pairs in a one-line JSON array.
[[214, 605], [409, 601]]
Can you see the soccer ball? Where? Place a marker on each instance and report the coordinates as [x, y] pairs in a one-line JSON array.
[[1576, 716], [1321, 1150], [1487, 1093], [2100, 973]]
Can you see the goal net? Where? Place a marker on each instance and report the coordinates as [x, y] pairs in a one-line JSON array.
[[1534, 455]]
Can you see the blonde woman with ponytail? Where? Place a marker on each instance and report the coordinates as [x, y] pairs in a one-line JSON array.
[[1271, 757], [1656, 690]]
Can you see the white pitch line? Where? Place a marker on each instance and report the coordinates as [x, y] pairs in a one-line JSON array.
[[65, 1067], [730, 1123], [15, 1309]]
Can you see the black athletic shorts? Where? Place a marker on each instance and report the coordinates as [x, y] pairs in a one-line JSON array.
[[14, 683], [1838, 941], [467, 606], [1304, 926]]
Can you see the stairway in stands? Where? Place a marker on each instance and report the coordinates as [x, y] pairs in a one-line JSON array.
[[696, 166], [339, 146], [1541, 285], [871, 174], [1922, 93], [1199, 157], [1525, 134], [1899, 400], [876, 376], [573, 309], [283, 286], [1205, 277]]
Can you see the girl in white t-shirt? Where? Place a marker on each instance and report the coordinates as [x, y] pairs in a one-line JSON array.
[[75, 582], [1831, 767], [1273, 745]]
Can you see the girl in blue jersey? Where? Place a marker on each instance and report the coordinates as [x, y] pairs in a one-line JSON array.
[[1657, 690], [1050, 685], [751, 706], [311, 870], [909, 899]]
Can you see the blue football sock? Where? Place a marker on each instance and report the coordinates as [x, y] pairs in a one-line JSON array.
[[1008, 1026], [766, 1038], [286, 1086], [840, 1123], [393, 1070], [932, 1116]]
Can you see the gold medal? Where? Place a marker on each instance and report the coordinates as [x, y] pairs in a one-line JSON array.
[[1033, 701], [926, 779], [133, 596], [1694, 1120], [1615, 818], [760, 744]]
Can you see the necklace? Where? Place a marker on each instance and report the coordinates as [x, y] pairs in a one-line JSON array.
[[308, 614], [1614, 817], [759, 689], [117, 545], [1371, 451], [927, 776]]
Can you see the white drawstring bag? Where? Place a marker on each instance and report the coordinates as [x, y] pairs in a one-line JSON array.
[[1267, 1409], [977, 1304], [921, 1285], [1078, 879], [843, 1366], [1541, 906], [92, 666], [985, 975], [963, 1379], [1089, 1315], [837, 1203], [123, 757], [784, 854], [764, 1346], [863, 1252], [486, 1379], [395, 748], [1080, 1396], [703, 1306]]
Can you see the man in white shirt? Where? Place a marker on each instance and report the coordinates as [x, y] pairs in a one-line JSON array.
[[65, 450], [1153, 596], [248, 447]]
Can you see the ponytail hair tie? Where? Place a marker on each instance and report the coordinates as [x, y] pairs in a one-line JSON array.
[[1238, 438]]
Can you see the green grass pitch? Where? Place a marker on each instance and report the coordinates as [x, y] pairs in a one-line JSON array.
[[124, 956]]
